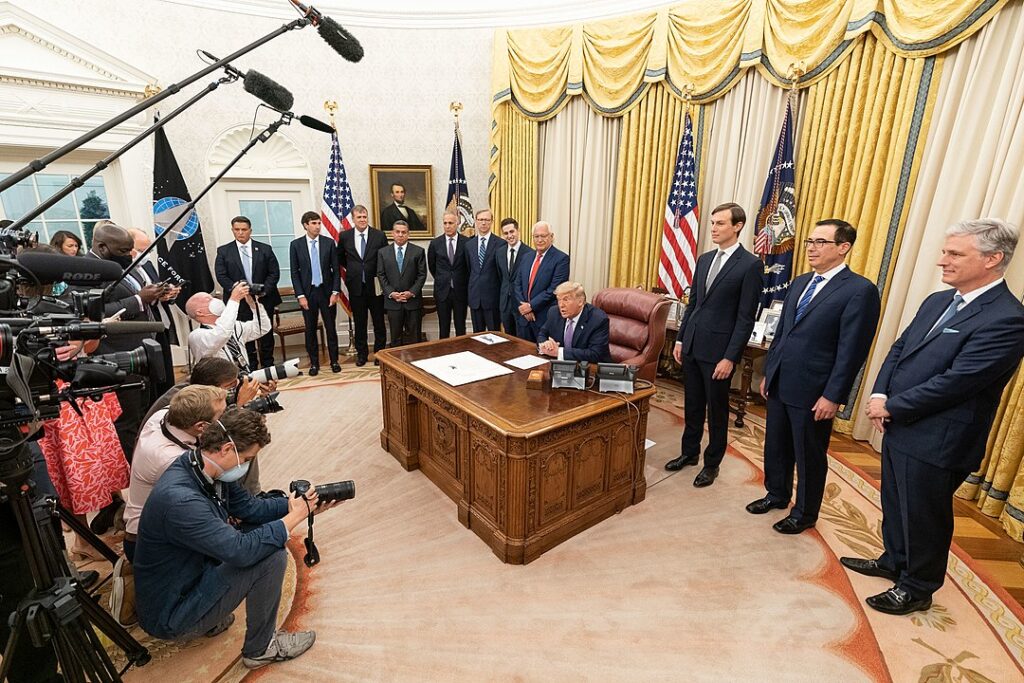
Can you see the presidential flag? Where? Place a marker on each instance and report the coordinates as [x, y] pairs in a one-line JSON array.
[[458, 190], [336, 208], [181, 254], [776, 220], [681, 221]]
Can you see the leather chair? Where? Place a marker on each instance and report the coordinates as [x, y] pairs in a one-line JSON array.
[[636, 326]]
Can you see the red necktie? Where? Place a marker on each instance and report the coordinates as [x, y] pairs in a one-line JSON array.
[[533, 274]]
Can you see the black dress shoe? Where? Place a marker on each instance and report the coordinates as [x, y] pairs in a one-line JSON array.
[[88, 578], [898, 601], [335, 367], [789, 525], [313, 371], [706, 477], [360, 362], [867, 567], [104, 519], [376, 362], [763, 505], [681, 462]]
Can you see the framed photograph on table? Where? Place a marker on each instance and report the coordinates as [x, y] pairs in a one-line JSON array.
[[770, 320], [403, 193]]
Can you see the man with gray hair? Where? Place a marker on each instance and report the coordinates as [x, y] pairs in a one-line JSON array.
[[935, 399]]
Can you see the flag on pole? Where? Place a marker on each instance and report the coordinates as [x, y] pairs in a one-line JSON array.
[[336, 208], [458, 190], [681, 222], [776, 219], [181, 254]]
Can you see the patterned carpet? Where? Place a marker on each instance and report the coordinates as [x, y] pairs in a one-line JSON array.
[[684, 586]]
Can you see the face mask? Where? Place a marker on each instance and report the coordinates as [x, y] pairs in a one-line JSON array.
[[123, 261], [216, 307], [236, 472]]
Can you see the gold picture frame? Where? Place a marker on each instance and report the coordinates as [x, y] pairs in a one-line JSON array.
[[418, 184]]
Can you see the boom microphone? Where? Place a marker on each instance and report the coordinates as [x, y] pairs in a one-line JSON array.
[[340, 40], [75, 270], [274, 94], [316, 124]]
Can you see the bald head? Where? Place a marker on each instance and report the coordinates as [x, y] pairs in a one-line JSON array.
[[198, 308], [140, 239], [111, 242]]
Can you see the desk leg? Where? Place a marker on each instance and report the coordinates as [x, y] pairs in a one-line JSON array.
[[741, 403]]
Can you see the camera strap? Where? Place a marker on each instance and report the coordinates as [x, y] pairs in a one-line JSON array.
[[173, 439], [312, 554]]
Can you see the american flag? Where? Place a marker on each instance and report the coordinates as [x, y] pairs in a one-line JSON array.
[[776, 219], [336, 209], [679, 230]]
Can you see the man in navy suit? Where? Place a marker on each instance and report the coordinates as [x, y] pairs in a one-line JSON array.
[[712, 336], [825, 330], [574, 329], [253, 262], [483, 274], [509, 256], [357, 251], [315, 277], [536, 280], [935, 399], [446, 259]]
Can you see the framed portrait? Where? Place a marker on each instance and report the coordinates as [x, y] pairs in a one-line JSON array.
[[770, 318], [776, 305], [406, 193]]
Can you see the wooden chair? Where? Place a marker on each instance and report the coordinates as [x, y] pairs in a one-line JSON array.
[[286, 323]]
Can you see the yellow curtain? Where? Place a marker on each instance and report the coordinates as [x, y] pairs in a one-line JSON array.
[[514, 173]]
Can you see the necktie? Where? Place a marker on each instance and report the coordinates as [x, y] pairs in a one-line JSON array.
[[451, 250], [483, 252], [567, 337], [511, 259], [401, 258], [362, 251], [948, 313], [235, 349], [247, 263], [805, 300], [533, 273], [314, 263], [715, 266]]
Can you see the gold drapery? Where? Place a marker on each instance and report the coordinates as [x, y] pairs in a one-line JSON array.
[[514, 173]]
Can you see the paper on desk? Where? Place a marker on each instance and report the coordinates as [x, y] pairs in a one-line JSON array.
[[648, 443], [526, 362], [461, 368], [490, 339]]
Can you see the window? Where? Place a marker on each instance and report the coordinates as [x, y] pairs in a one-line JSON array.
[[272, 223], [77, 213]]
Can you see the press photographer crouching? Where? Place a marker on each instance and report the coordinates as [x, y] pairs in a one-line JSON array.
[[193, 567]]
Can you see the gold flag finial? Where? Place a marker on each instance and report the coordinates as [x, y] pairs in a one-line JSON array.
[[796, 71], [688, 90], [331, 107], [151, 90], [455, 108]]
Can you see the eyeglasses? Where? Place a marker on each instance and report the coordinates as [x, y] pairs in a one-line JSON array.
[[818, 243]]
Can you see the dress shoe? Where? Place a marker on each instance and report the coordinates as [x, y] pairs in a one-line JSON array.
[[763, 505], [706, 477], [104, 519], [88, 578], [335, 367], [867, 567], [314, 371], [376, 362], [898, 601], [360, 362], [681, 462], [790, 525]]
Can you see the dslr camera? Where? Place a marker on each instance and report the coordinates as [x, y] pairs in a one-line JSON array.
[[327, 493]]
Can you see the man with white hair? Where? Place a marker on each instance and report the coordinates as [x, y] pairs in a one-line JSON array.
[[935, 399], [220, 333]]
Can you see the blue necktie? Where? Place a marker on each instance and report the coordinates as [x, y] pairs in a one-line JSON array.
[[483, 251], [805, 300], [314, 263], [948, 313], [401, 258]]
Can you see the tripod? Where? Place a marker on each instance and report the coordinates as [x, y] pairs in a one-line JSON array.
[[57, 610]]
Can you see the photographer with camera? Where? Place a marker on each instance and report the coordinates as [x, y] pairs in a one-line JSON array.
[[221, 334], [193, 568], [215, 371]]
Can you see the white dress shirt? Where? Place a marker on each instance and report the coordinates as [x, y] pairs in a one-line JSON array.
[[828, 275], [212, 340], [154, 453]]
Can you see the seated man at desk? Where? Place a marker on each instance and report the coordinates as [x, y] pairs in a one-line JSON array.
[[574, 330]]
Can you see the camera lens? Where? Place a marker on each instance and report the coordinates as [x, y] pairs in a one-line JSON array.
[[341, 490]]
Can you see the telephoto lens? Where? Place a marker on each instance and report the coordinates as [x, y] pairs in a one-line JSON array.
[[327, 493], [265, 405], [289, 368]]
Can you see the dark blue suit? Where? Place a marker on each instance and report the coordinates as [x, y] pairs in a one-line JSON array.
[[483, 283], [450, 283], [819, 356], [943, 388], [552, 271], [318, 298], [508, 304], [589, 339]]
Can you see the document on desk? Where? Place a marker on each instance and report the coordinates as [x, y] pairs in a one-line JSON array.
[[526, 362], [489, 339], [457, 369]]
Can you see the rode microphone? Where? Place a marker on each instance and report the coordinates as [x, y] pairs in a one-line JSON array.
[[316, 124], [273, 93], [340, 40], [75, 270]]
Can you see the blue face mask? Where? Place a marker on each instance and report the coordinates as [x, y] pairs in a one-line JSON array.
[[236, 472]]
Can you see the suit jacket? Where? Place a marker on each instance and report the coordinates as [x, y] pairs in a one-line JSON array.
[[154, 276], [123, 296], [450, 279], [483, 280], [552, 271], [589, 339], [507, 301], [265, 270], [411, 278], [355, 267], [390, 214], [718, 321], [944, 386], [302, 274], [822, 354]]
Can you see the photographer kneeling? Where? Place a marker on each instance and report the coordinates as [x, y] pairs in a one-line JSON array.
[[193, 567]]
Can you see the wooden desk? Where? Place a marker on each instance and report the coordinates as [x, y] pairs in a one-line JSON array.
[[527, 469]]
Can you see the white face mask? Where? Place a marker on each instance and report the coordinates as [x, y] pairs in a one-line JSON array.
[[216, 307]]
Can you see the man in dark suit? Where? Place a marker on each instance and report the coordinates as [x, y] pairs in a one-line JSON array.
[[508, 258], [254, 262], [357, 249], [315, 278], [825, 330], [712, 336], [398, 211], [535, 282], [146, 274], [574, 329], [446, 260], [402, 270], [935, 399], [483, 274]]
